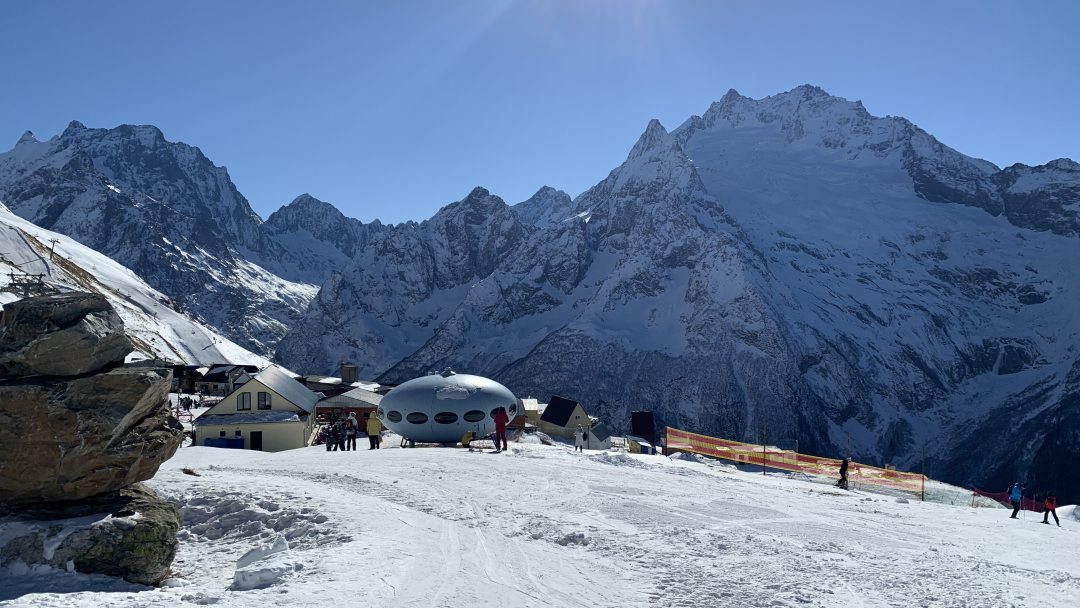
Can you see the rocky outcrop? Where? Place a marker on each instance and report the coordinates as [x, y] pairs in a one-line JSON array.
[[130, 533], [62, 335], [71, 438], [76, 434]]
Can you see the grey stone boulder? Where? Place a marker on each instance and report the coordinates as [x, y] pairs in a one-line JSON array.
[[66, 334], [130, 533], [71, 438]]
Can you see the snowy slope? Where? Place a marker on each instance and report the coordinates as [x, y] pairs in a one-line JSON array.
[[156, 329], [543, 526]]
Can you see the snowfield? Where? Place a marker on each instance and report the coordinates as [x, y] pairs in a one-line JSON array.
[[543, 526]]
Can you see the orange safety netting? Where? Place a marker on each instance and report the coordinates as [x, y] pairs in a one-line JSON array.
[[1029, 504], [749, 453]]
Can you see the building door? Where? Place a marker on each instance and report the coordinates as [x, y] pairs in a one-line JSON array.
[[256, 440]]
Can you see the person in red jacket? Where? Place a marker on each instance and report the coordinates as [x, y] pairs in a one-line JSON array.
[[501, 420], [1051, 507]]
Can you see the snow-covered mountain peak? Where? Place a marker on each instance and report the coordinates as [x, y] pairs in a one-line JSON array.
[[27, 138], [73, 128], [654, 141], [476, 207], [656, 165], [165, 211], [799, 105], [548, 206], [306, 200], [1064, 164]]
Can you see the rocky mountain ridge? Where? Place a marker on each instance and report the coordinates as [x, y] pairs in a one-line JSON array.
[[791, 267], [166, 212]]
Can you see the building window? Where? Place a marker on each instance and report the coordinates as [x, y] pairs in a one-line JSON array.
[[417, 418], [221, 433], [264, 400], [243, 401], [474, 416], [393, 416], [238, 433], [446, 417]]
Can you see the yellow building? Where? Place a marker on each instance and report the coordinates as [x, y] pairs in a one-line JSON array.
[[271, 412], [532, 411], [561, 418]]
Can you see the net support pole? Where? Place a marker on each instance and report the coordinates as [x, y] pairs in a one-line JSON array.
[[764, 432], [922, 457]]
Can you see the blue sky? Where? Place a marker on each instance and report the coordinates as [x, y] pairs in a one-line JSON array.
[[392, 109]]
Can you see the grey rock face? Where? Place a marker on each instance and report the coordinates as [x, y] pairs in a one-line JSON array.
[[67, 434], [60, 335], [130, 533], [71, 438]]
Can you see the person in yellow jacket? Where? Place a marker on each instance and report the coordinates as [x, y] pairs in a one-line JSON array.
[[374, 431]]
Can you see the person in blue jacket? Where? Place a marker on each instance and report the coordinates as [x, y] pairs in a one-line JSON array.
[[1016, 495]]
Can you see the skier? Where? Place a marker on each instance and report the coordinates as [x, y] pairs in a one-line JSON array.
[[842, 482], [501, 420], [580, 437], [1050, 504], [374, 431], [1016, 495]]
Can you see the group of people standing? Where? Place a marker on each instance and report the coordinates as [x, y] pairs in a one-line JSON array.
[[1016, 498], [341, 434]]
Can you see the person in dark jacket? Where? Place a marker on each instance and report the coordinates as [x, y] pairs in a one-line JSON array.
[[333, 438], [842, 482], [1016, 496], [501, 420], [1050, 504]]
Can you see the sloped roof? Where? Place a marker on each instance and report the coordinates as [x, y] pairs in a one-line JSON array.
[[247, 418], [558, 411], [282, 384], [600, 431], [219, 372], [357, 397]]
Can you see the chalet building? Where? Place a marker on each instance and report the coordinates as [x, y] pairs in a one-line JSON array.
[[531, 408], [561, 418], [358, 401], [337, 385], [271, 412], [223, 378], [599, 437]]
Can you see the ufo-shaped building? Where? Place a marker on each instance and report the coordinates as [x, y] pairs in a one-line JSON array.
[[440, 408]]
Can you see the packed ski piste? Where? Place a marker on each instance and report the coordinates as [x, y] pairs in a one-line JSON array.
[[550, 525]]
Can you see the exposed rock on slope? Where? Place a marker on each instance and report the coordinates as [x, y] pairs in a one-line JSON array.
[[67, 335], [72, 446]]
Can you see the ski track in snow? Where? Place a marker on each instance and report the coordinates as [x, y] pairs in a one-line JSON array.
[[542, 526]]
